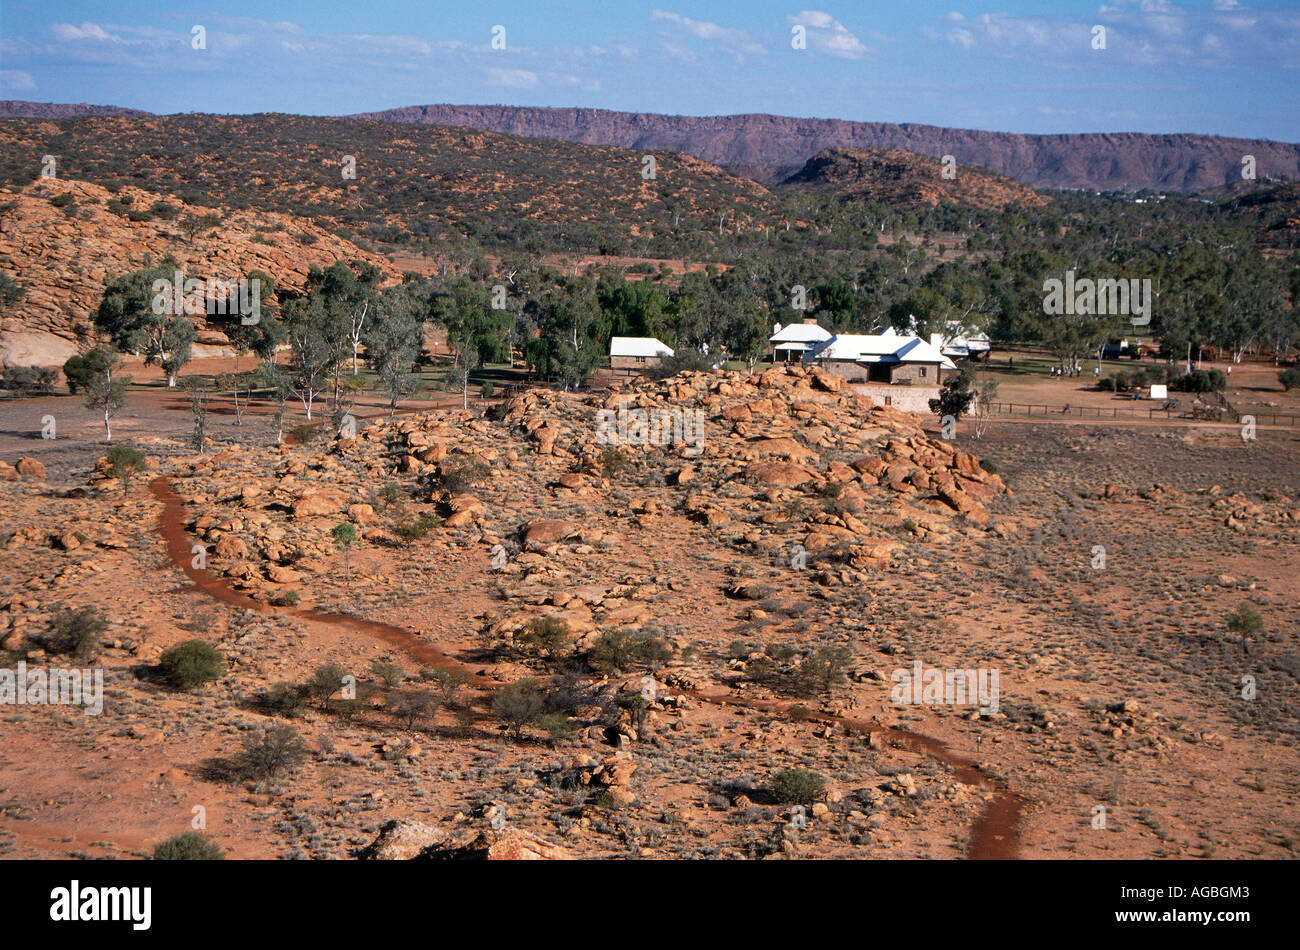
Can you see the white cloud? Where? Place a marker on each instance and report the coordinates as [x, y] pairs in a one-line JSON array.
[[513, 78], [737, 42], [828, 35], [16, 81], [67, 33]]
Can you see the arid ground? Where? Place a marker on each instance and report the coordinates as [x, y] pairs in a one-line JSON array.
[[1122, 727]]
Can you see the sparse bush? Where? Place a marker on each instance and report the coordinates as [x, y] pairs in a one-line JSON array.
[[1289, 378], [1246, 623], [274, 751], [989, 466], [464, 476], [546, 633], [415, 706], [77, 633], [29, 380], [613, 460], [519, 704], [192, 664], [447, 682], [285, 699], [822, 671], [622, 650], [387, 672], [798, 787], [413, 529], [190, 846], [1200, 381], [288, 599], [123, 462], [797, 713], [326, 680], [556, 725]]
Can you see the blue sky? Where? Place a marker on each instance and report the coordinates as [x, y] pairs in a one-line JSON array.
[[1228, 67]]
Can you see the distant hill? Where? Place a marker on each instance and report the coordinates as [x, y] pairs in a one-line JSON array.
[[21, 109], [410, 182], [1276, 204], [771, 148], [904, 179]]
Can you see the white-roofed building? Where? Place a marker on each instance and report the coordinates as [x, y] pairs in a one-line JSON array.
[[636, 352], [962, 343], [790, 342], [888, 357]]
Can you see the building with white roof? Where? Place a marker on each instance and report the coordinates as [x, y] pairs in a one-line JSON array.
[[634, 352], [887, 357], [790, 342]]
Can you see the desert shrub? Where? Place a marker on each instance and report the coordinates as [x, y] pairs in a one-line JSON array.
[[1245, 621], [487, 390], [685, 360], [29, 380], [822, 671], [1289, 378], [798, 713], [1200, 381], [781, 652], [285, 699], [556, 725], [192, 664], [415, 706], [464, 476], [325, 681], [518, 704], [77, 633], [989, 466], [413, 529], [613, 460], [190, 846], [272, 752], [390, 496], [77, 371], [387, 672], [1107, 384], [123, 462], [287, 599], [798, 787], [447, 682], [546, 633], [622, 650]]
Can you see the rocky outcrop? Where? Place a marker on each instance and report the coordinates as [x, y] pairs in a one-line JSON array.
[[62, 259], [907, 180]]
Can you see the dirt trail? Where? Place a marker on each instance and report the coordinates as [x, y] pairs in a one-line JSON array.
[[171, 525], [994, 835]]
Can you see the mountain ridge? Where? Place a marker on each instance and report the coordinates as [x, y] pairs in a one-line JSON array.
[[770, 148]]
